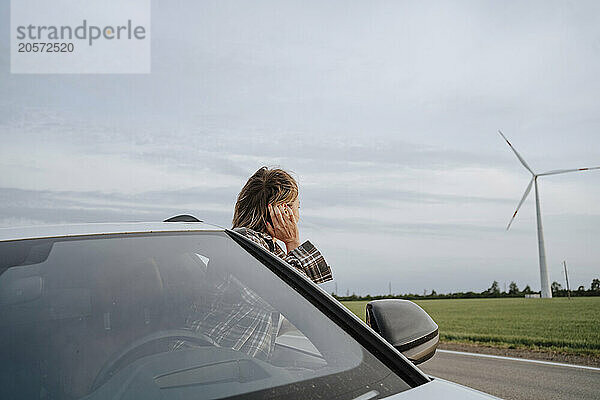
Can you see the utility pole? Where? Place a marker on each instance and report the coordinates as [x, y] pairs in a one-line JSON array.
[[390, 288], [336, 288], [567, 279]]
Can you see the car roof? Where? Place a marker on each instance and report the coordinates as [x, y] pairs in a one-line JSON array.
[[68, 230]]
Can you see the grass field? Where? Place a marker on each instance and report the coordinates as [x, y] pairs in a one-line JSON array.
[[569, 326]]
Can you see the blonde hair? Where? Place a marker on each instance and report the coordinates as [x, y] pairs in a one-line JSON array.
[[267, 186]]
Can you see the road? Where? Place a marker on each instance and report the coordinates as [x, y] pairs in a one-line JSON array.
[[510, 379]]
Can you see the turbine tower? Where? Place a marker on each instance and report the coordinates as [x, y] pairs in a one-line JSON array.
[[546, 292]]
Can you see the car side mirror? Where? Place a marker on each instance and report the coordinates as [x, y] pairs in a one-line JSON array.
[[406, 326]]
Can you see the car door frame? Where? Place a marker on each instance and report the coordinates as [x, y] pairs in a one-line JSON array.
[[335, 311]]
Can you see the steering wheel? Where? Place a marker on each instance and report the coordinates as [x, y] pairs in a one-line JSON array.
[[112, 364]]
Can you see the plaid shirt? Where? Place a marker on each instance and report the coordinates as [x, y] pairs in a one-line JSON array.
[[305, 258], [235, 317]]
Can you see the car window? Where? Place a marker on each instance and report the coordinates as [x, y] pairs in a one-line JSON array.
[[167, 316]]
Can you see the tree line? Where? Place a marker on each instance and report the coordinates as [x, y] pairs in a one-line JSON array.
[[492, 292]]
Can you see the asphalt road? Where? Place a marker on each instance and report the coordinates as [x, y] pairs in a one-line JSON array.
[[509, 379]]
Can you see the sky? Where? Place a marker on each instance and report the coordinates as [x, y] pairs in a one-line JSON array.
[[386, 113]]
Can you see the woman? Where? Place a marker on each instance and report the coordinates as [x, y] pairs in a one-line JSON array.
[[267, 209], [231, 314]]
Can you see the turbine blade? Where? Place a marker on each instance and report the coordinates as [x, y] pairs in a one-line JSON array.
[[521, 202], [562, 171], [516, 153]]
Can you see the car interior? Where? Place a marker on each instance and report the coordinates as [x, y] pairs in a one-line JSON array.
[[73, 320]]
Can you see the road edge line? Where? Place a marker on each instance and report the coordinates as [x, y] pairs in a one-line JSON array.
[[556, 364]]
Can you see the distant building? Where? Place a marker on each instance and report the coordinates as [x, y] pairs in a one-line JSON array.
[[532, 296]]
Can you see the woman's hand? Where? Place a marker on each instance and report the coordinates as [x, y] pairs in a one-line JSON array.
[[284, 227]]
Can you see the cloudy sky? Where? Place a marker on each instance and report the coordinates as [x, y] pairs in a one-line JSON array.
[[387, 113]]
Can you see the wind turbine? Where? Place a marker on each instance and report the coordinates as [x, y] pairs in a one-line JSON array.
[[546, 292]]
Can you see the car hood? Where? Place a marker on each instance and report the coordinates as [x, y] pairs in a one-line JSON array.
[[442, 389]]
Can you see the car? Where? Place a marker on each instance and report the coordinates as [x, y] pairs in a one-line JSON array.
[[182, 309]]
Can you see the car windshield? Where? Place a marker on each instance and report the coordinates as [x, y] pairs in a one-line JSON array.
[[167, 316]]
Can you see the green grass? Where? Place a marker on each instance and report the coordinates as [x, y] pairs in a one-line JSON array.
[[569, 326]]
